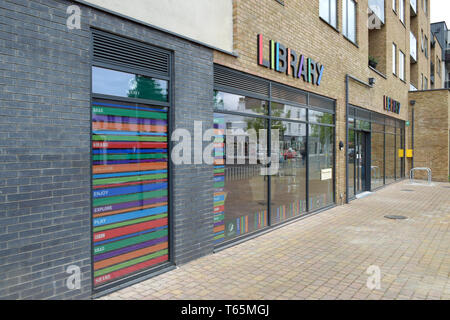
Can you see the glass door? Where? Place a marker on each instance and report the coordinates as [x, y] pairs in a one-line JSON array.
[[362, 161]]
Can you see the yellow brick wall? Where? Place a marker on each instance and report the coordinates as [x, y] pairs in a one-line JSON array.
[[297, 26], [431, 132]]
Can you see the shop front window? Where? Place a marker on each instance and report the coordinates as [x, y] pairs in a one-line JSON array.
[[320, 166], [240, 195], [288, 186], [242, 185], [390, 158]]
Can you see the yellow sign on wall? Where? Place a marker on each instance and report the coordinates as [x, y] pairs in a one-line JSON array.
[[401, 153], [409, 153]]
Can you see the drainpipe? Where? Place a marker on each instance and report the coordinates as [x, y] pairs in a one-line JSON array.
[[412, 137], [347, 108]]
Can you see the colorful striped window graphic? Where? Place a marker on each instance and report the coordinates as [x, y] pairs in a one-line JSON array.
[[129, 188]]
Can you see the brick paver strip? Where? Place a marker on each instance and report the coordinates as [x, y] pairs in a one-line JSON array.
[[326, 256]]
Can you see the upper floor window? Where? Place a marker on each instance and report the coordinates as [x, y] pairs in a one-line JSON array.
[[394, 59], [327, 11], [401, 66], [425, 84], [401, 10], [425, 6], [394, 5], [349, 19], [426, 46]]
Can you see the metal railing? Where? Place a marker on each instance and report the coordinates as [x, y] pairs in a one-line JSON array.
[[413, 170]]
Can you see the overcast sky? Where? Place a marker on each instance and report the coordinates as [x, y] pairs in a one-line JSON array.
[[440, 11]]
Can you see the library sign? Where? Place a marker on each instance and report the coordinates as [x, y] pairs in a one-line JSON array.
[[285, 60], [391, 105]]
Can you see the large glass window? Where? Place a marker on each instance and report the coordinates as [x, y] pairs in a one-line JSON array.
[[349, 19], [129, 85], [320, 166], [390, 158], [240, 197], [385, 147], [130, 188], [241, 185], [288, 186], [377, 156], [327, 11]]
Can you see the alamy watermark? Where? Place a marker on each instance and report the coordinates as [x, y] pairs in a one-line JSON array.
[[74, 280], [238, 146], [73, 22], [374, 279]]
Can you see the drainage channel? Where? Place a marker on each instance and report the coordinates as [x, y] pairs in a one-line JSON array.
[[395, 217]]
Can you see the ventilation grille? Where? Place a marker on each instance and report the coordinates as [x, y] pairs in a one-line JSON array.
[[288, 94], [323, 103], [233, 79], [123, 52]]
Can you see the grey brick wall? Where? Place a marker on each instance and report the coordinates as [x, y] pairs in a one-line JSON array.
[[45, 146]]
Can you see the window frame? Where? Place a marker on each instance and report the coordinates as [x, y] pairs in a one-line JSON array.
[[328, 21], [401, 65], [345, 30], [401, 11], [394, 59]]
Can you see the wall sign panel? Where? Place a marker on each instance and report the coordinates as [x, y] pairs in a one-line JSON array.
[[130, 188]]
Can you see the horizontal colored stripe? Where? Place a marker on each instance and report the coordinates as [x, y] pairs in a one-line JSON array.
[[105, 235], [131, 235], [114, 275], [127, 190], [114, 246], [127, 174], [129, 215], [127, 151], [107, 162], [134, 205], [131, 255], [129, 222], [135, 156], [128, 127], [219, 228], [128, 167], [139, 178], [134, 247], [127, 145], [128, 120], [127, 183], [128, 113], [127, 133], [130, 197], [96, 137], [129, 107]]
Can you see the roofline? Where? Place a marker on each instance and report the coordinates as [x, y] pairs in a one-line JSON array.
[[443, 21]]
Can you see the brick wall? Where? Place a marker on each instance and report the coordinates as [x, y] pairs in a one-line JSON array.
[[297, 25], [45, 146], [431, 132]]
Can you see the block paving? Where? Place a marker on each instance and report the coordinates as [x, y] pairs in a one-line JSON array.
[[326, 256]]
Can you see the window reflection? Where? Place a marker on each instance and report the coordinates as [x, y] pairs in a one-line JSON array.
[[288, 186], [320, 166], [122, 84], [233, 102]]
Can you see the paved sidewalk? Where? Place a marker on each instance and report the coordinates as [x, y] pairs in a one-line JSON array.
[[326, 256]]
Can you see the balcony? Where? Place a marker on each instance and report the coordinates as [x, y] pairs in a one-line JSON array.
[[377, 7], [413, 47], [413, 4]]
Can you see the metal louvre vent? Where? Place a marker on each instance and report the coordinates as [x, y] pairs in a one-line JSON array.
[[288, 94], [123, 52], [234, 79], [321, 102]]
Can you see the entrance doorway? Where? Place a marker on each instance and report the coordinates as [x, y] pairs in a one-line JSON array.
[[362, 161]]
